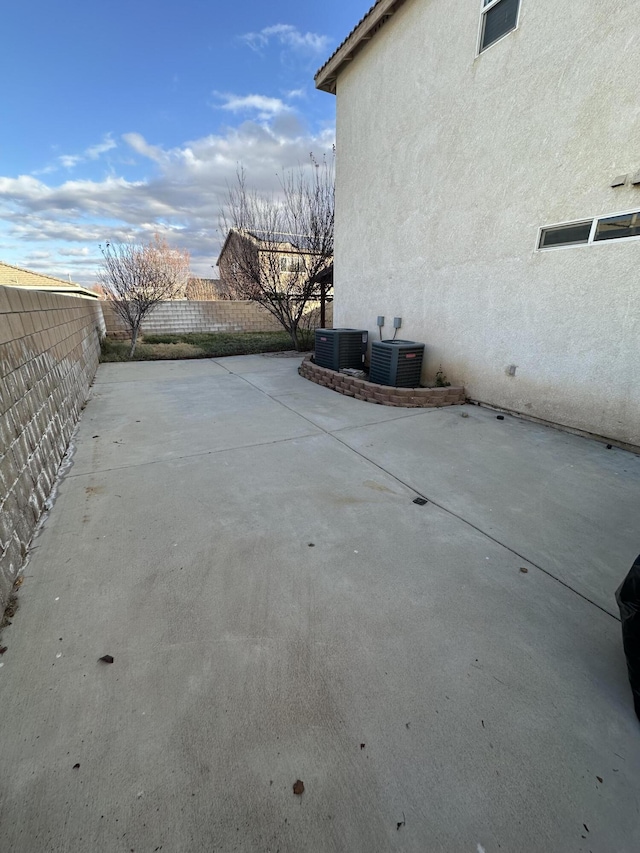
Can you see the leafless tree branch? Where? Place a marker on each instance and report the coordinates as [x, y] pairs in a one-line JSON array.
[[137, 277], [277, 246]]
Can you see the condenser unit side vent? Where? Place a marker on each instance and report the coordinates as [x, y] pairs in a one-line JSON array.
[[338, 348], [396, 363]]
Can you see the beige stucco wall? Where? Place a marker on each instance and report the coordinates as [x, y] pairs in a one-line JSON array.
[[49, 349], [449, 163]]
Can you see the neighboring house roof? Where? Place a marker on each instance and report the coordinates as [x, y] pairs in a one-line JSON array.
[[363, 32], [99, 289], [284, 242], [275, 241], [11, 276], [230, 233]]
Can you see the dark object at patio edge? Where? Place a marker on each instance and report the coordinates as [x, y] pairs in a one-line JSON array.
[[628, 598]]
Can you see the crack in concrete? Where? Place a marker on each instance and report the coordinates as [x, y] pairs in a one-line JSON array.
[[192, 455]]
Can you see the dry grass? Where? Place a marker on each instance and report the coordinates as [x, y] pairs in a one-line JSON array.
[[213, 345], [180, 350]]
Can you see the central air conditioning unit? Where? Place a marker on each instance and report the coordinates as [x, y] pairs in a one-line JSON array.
[[396, 363], [338, 348]]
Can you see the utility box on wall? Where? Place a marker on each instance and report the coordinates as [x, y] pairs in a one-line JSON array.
[[396, 363], [338, 348]]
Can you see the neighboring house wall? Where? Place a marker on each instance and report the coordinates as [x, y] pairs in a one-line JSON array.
[[237, 246], [49, 348], [244, 257], [448, 165]]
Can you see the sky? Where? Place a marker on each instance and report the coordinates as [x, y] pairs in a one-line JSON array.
[[126, 118]]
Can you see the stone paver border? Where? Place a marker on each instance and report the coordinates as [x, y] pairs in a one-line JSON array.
[[385, 395]]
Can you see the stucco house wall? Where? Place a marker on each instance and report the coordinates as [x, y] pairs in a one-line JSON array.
[[449, 163]]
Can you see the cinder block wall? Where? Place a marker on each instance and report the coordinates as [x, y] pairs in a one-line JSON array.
[[176, 318], [49, 349], [179, 318]]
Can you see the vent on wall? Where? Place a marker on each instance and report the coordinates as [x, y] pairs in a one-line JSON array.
[[338, 348], [396, 363]]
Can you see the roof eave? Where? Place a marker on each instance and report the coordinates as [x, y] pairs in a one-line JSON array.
[[327, 77], [64, 290]]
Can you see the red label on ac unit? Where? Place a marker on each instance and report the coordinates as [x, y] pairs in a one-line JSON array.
[[410, 355], [323, 339]]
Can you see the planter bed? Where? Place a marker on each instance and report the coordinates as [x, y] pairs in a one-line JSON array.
[[384, 395]]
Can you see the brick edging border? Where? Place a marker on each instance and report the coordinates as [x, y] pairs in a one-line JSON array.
[[384, 395]]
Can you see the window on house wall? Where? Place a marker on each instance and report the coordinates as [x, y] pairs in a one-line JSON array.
[[618, 227], [566, 235], [499, 17], [291, 264]]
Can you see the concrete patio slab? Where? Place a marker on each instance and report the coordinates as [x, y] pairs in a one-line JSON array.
[[158, 370], [564, 502], [136, 422], [272, 363], [322, 407], [284, 611]]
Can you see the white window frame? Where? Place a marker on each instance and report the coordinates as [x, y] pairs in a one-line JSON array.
[[592, 233], [542, 228], [592, 236], [486, 7]]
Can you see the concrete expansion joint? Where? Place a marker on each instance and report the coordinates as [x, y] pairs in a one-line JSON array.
[[306, 365]]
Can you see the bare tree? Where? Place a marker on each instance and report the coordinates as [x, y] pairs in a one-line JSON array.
[[277, 246], [136, 277]]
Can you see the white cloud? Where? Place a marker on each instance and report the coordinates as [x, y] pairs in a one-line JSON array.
[[70, 160], [141, 146], [93, 152], [181, 197], [46, 170], [72, 253], [265, 106], [288, 36]]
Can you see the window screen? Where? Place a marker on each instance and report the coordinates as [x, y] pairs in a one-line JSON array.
[[498, 20], [615, 227], [566, 235]]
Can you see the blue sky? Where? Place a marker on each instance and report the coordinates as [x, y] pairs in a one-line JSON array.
[[122, 118]]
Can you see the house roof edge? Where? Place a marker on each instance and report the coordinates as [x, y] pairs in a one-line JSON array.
[[327, 76]]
